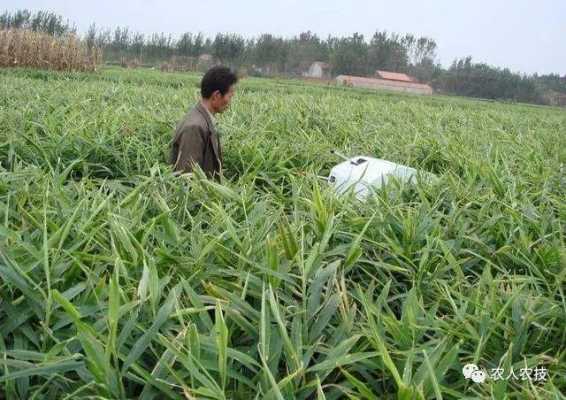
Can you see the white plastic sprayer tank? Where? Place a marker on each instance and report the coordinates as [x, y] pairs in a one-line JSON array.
[[364, 173]]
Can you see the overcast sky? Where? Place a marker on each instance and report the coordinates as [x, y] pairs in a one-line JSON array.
[[524, 35]]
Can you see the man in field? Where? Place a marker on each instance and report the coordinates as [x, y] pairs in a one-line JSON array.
[[196, 141]]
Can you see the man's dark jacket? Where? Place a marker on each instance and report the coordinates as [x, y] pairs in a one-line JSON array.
[[196, 142]]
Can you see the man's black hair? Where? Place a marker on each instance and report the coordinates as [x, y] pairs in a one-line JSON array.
[[217, 78]]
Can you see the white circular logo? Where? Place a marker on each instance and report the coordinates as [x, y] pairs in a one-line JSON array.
[[478, 376], [469, 369]]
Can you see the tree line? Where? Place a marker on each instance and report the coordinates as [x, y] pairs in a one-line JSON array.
[[289, 56], [40, 21], [273, 55]]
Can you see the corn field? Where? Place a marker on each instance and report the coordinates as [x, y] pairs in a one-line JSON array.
[[120, 280], [25, 48]]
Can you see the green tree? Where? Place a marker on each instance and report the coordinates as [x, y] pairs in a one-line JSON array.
[[467, 78], [40, 21], [90, 37], [228, 48], [349, 55], [185, 44], [387, 52], [304, 50], [271, 52]]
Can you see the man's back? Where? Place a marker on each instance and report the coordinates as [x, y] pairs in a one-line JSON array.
[[195, 142]]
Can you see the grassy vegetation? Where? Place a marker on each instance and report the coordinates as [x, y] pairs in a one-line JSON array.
[[119, 280]]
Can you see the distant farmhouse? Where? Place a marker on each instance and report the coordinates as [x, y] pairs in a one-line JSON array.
[[386, 80], [319, 70]]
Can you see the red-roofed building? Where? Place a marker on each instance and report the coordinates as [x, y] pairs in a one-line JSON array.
[[386, 81], [394, 76]]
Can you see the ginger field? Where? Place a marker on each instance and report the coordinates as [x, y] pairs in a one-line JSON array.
[[120, 280]]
